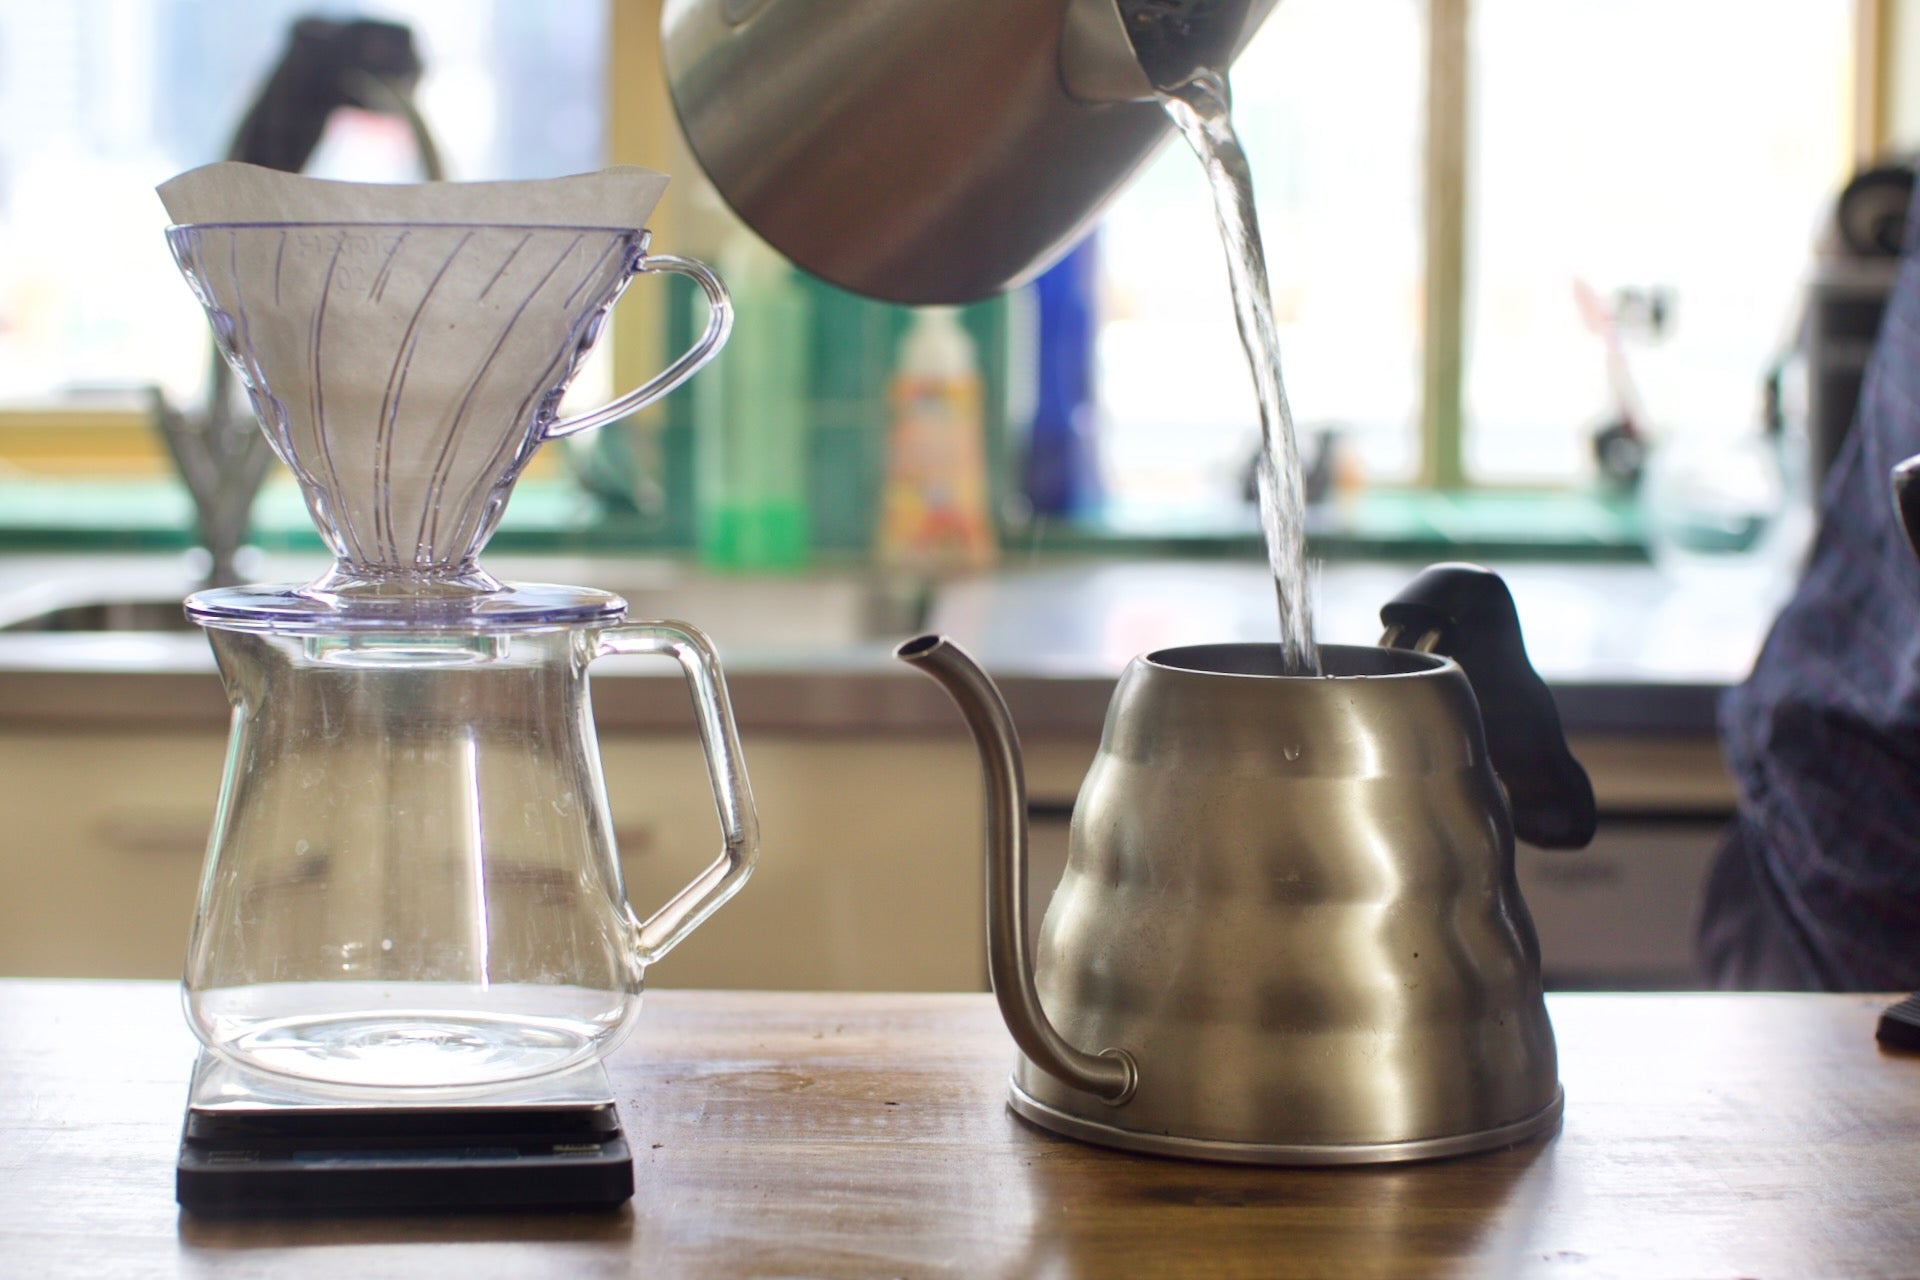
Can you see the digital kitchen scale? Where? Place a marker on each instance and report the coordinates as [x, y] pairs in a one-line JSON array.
[[255, 1145]]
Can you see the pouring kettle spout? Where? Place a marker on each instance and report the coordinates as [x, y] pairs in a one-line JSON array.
[[1110, 1074]]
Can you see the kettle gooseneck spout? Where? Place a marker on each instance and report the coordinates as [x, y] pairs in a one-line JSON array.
[[1110, 1074]]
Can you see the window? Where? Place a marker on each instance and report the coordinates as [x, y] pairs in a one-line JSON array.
[[102, 99], [1624, 148], [1673, 158], [1327, 103], [1621, 149]]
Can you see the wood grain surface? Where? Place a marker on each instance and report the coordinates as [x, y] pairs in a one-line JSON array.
[[865, 1135]]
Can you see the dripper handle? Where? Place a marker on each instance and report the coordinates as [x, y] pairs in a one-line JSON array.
[[1466, 613], [719, 325], [732, 796]]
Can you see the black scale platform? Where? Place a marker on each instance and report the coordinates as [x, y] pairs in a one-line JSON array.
[[255, 1147]]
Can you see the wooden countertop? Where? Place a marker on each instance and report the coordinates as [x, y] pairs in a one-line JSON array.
[[865, 1135]]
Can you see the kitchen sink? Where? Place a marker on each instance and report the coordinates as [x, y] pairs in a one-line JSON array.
[[104, 615], [763, 615]]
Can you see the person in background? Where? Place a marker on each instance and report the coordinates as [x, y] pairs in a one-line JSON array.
[[1817, 883]]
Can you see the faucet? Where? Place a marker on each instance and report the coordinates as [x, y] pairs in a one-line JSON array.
[[220, 452]]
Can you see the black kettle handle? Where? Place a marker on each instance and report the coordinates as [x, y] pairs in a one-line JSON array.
[[1466, 613]]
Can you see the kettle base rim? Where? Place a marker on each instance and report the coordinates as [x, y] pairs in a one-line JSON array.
[[1542, 1123]]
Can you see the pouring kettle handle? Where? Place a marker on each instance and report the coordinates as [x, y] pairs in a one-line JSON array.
[[1466, 613]]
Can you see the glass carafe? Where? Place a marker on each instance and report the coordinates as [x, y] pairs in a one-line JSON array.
[[413, 881]]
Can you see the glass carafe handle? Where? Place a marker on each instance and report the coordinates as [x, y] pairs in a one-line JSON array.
[[719, 325], [739, 825]]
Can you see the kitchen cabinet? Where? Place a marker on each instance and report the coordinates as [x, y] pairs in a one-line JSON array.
[[869, 794], [1619, 914], [101, 837], [871, 872], [870, 876]]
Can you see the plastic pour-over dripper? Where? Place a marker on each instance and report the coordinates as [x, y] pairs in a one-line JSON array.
[[406, 349]]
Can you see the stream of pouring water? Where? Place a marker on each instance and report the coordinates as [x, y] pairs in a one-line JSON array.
[[1200, 109]]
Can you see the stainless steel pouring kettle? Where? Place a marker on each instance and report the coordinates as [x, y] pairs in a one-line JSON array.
[[1289, 930], [932, 151]]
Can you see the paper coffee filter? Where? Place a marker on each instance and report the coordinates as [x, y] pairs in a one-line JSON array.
[[231, 192]]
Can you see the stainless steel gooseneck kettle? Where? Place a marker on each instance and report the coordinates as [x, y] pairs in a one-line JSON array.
[[932, 151], [1289, 930]]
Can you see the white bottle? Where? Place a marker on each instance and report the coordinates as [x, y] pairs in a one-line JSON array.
[[934, 504]]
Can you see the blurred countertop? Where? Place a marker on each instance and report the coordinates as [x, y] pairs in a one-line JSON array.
[[1627, 648]]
